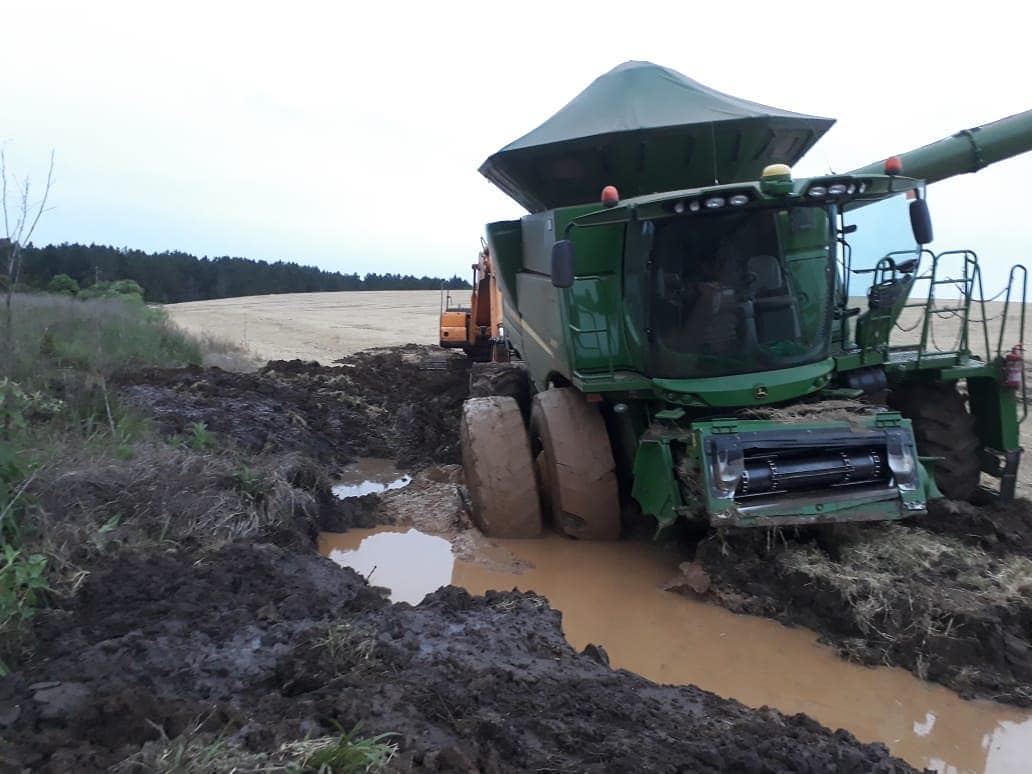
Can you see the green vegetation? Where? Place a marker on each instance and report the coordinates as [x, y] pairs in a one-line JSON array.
[[171, 277], [53, 335], [345, 754], [198, 752], [60, 355], [62, 283]]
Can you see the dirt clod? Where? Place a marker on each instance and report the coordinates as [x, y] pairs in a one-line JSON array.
[[379, 403], [165, 650]]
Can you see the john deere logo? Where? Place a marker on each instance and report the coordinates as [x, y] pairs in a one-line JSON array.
[[759, 391]]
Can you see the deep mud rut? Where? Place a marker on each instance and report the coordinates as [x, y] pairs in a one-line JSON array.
[[948, 597], [378, 403], [260, 642], [262, 646]]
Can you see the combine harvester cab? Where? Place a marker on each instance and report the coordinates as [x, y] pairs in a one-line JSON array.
[[705, 333]]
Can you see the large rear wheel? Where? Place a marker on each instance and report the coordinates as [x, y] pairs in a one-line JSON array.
[[578, 478], [943, 428], [499, 469], [507, 379]]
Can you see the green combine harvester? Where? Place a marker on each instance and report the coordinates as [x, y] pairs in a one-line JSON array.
[[692, 339]]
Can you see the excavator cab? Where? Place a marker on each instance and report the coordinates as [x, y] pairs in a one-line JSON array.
[[477, 328]]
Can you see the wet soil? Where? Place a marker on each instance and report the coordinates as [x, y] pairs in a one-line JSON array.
[[948, 597], [231, 641], [612, 595], [378, 403], [256, 646]]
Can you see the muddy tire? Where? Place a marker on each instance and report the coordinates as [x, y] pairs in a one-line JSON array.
[[575, 461], [499, 469], [504, 379], [943, 428]]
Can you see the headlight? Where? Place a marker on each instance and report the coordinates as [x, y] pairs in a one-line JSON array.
[[738, 200], [837, 190], [714, 202], [817, 191]]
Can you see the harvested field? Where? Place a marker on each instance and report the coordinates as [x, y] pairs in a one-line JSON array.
[[316, 326]]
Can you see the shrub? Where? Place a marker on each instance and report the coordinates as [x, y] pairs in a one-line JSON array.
[[62, 283]]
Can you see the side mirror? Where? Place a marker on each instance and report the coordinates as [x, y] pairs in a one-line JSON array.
[[920, 221], [562, 263]]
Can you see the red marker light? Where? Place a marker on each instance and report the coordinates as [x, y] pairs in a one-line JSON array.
[[893, 165], [610, 196]]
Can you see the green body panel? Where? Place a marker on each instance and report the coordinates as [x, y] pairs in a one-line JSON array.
[[655, 484], [505, 241], [642, 324], [595, 327], [742, 390]]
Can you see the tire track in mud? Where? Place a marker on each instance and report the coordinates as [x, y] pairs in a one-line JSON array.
[[256, 646], [237, 635]]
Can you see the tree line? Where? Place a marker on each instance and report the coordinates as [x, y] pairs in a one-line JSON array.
[[172, 276]]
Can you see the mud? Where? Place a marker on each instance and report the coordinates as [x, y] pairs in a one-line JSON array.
[[256, 646], [378, 403], [242, 644], [611, 595], [949, 598]]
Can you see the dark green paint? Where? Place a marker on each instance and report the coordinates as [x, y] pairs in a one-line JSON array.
[[623, 329]]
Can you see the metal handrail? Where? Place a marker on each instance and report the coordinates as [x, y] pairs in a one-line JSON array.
[[1021, 329]]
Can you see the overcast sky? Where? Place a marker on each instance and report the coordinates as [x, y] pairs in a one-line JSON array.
[[350, 137]]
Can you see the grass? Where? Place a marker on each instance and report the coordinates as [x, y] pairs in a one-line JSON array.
[[88, 501], [876, 567], [228, 355], [199, 752], [102, 336], [347, 647], [79, 473]]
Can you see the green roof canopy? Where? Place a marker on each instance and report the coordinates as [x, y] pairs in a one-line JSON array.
[[646, 128]]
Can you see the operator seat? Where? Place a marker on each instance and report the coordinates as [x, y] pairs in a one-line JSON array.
[[775, 309]]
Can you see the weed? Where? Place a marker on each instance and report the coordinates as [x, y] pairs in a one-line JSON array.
[[344, 754], [100, 336], [22, 584], [249, 483], [199, 437], [100, 537], [198, 752], [347, 647]]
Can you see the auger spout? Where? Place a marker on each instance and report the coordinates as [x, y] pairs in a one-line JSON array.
[[969, 150]]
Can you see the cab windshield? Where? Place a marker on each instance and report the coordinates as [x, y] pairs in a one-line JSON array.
[[739, 292]]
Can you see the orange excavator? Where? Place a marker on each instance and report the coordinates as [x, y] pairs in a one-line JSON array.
[[477, 328]]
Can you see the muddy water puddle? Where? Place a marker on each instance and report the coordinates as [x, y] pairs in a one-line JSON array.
[[610, 594], [369, 475]]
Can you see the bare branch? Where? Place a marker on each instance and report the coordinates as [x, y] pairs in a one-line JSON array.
[[3, 174], [43, 201]]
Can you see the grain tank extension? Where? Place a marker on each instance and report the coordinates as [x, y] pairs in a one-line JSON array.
[[695, 342]]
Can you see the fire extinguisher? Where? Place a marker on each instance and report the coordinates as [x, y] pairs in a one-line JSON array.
[[1014, 367]]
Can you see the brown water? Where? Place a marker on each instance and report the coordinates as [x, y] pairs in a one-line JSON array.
[[368, 475], [609, 594]]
